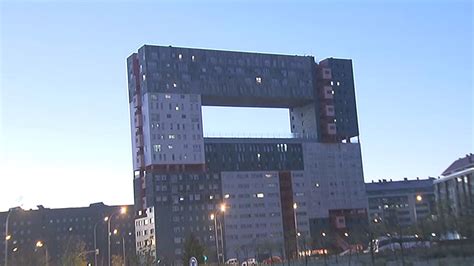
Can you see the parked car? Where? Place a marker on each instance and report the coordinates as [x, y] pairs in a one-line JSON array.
[[249, 262], [274, 259], [232, 261]]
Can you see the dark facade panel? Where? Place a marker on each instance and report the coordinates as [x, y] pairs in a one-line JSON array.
[[183, 205], [253, 156], [225, 78], [344, 97], [288, 214]]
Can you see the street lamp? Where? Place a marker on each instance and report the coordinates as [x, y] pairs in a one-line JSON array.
[[95, 238], [295, 206], [123, 210], [116, 231], [213, 217], [418, 198], [223, 209], [40, 244]]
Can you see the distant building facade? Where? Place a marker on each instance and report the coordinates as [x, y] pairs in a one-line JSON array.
[[60, 230], [183, 181], [403, 202], [455, 188]]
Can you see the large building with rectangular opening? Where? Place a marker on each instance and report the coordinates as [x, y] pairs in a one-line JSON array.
[[242, 197]]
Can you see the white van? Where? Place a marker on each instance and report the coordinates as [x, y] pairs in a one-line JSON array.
[[232, 261]]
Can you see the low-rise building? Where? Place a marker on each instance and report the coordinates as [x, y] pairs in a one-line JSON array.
[[59, 234], [403, 202]]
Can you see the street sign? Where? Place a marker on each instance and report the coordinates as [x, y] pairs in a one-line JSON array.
[[193, 261]]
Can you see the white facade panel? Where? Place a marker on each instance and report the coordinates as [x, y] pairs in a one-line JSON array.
[[253, 217], [335, 177], [173, 129]]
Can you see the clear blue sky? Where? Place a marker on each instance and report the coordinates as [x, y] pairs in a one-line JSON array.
[[65, 138]]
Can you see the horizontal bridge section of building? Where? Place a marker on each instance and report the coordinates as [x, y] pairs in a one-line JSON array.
[[226, 78]]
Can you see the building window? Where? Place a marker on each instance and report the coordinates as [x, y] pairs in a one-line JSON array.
[[180, 56], [193, 58], [157, 147], [260, 195], [258, 80]]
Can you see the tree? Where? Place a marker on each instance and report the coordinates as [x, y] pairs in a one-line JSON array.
[[117, 260], [144, 258], [27, 256], [74, 252], [192, 248]]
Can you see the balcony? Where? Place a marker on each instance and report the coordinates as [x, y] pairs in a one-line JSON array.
[[137, 101], [138, 120], [139, 141], [140, 161], [326, 73]]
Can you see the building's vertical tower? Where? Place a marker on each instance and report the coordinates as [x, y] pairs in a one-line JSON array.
[[168, 150], [136, 121], [336, 101]]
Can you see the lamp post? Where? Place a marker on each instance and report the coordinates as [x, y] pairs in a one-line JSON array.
[[123, 210], [418, 198], [123, 244], [213, 217], [95, 239], [222, 208], [123, 249], [295, 206], [41, 244]]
